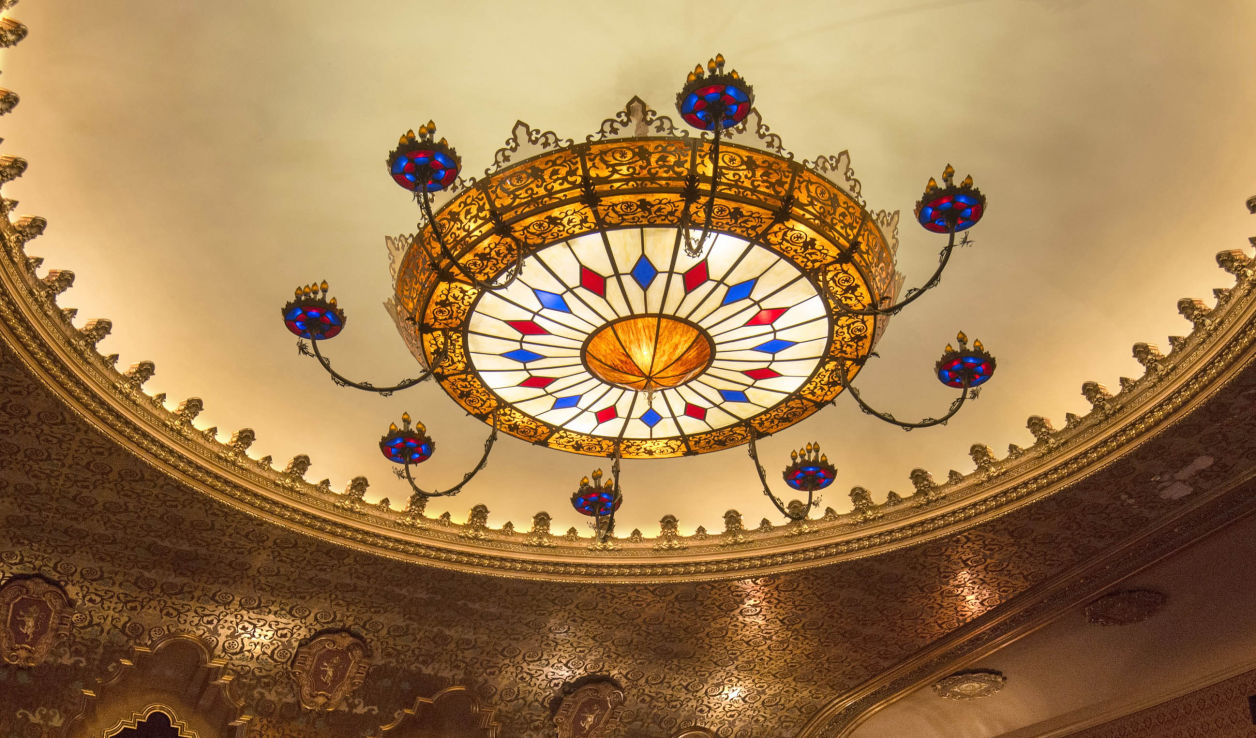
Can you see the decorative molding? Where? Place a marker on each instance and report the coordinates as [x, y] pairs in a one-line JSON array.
[[1124, 607], [177, 674], [454, 706], [970, 685]]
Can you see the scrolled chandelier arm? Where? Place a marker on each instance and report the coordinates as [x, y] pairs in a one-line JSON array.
[[950, 208], [599, 500], [809, 471], [423, 165], [425, 201], [912, 294], [312, 316], [963, 368], [410, 445], [711, 101]]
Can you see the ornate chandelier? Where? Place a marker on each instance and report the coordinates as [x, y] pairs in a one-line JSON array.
[[649, 294]]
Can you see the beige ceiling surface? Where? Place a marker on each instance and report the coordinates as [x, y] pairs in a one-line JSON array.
[[1070, 671], [196, 161]]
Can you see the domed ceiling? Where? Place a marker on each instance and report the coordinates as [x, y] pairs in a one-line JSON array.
[[195, 165]]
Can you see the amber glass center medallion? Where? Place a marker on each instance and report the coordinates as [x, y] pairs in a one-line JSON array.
[[648, 352]]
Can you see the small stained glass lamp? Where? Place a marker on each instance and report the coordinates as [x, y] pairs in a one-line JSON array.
[[422, 163], [596, 498], [810, 470], [952, 207], [965, 366], [407, 445], [711, 98], [310, 314]]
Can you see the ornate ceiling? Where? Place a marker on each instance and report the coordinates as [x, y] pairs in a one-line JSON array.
[[279, 138], [162, 531]]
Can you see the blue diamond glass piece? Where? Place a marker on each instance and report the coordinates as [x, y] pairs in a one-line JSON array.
[[651, 417], [552, 301], [771, 347], [565, 402], [734, 396], [739, 291], [644, 272], [522, 355]]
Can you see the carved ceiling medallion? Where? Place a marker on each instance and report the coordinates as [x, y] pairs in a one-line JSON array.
[[1125, 607], [970, 685], [591, 710], [328, 668], [36, 615]]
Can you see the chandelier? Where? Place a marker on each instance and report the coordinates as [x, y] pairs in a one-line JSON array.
[[646, 293]]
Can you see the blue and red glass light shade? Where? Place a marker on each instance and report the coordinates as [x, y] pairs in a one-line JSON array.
[[407, 445], [965, 366], [810, 470], [310, 314], [595, 498], [712, 99], [421, 163], [953, 207]]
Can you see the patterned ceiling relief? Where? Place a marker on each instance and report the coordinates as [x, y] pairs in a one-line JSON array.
[[142, 556]]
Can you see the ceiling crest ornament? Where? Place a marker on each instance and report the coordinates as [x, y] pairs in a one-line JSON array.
[[590, 707], [45, 337], [1125, 607], [970, 685], [36, 615], [329, 667]]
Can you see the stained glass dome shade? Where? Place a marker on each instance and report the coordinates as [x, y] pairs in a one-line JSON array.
[[406, 447], [596, 502], [431, 166], [313, 319], [975, 367], [613, 332], [810, 477], [731, 98], [964, 208]]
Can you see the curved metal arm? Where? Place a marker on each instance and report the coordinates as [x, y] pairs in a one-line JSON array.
[[695, 249], [912, 294], [488, 446], [812, 500], [516, 269], [344, 381], [964, 394]]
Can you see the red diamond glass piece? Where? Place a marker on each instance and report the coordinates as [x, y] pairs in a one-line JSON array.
[[767, 317], [527, 327], [538, 382], [694, 411], [592, 281], [605, 414], [696, 276], [761, 373]]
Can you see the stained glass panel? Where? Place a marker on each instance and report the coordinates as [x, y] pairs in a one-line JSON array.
[[733, 333]]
